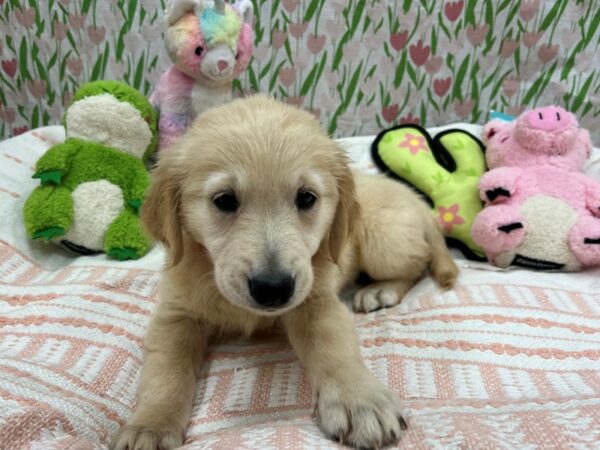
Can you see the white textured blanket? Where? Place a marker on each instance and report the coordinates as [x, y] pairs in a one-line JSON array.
[[509, 359]]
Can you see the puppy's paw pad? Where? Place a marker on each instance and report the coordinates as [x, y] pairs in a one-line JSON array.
[[372, 298], [369, 418], [132, 437]]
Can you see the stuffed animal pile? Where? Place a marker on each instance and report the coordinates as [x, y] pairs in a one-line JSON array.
[[93, 184], [209, 47], [541, 211]]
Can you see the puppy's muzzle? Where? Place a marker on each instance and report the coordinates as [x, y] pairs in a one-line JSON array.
[[271, 289]]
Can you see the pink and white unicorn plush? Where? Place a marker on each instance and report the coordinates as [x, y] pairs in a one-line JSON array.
[[209, 46], [541, 211]]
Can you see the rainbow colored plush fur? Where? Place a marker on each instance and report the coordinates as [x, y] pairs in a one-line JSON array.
[[209, 47]]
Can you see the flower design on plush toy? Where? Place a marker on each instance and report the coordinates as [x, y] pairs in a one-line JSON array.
[[414, 144], [448, 217]]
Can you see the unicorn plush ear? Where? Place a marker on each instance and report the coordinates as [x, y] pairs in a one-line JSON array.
[[178, 8], [246, 10]]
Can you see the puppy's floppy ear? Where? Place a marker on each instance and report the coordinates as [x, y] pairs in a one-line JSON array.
[[160, 210], [347, 210]]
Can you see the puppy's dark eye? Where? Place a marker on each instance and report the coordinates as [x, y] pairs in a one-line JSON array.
[[198, 51], [237, 56], [226, 202], [305, 200]]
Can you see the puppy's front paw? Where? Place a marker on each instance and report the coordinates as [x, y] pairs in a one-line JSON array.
[[377, 295], [366, 415], [140, 437]]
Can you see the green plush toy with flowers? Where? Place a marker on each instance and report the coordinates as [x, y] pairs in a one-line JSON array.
[[93, 184], [444, 169]]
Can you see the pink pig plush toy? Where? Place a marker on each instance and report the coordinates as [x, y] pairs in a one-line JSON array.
[[209, 46], [541, 211]]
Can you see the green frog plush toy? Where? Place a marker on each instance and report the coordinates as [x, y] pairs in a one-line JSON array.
[[92, 185]]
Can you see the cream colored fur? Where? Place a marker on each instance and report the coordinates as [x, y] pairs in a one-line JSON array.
[[96, 204], [265, 152], [119, 125]]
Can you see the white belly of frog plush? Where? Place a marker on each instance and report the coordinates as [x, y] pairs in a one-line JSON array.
[[93, 184]]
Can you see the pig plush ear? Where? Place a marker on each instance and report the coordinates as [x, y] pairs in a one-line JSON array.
[[176, 9], [492, 128], [245, 10]]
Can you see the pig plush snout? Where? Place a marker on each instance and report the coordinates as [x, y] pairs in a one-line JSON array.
[[550, 118], [547, 131]]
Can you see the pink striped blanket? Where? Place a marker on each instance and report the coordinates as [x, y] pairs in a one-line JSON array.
[[509, 359]]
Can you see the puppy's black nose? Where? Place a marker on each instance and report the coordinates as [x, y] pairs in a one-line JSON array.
[[271, 289]]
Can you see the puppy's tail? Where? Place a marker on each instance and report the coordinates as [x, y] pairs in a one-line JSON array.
[[443, 268]]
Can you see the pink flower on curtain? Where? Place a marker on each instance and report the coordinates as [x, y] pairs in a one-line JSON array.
[[510, 85], [409, 119], [295, 100], [278, 38], [19, 130], [66, 98], [77, 20], [60, 30], [75, 66], [463, 109], [419, 53], [96, 34], [289, 5], [298, 29], [390, 112], [452, 10], [414, 144], [441, 86], [476, 35], [37, 88], [434, 64], [528, 9], [10, 67], [25, 16], [547, 52], [508, 48], [530, 39], [287, 76], [398, 40], [315, 43], [8, 115]]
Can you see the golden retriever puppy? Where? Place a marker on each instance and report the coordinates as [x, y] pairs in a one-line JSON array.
[[263, 223]]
